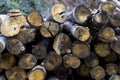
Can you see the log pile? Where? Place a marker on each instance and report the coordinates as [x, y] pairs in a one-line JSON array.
[[73, 45]]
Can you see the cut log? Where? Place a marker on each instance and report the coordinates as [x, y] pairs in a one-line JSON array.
[[49, 29], [27, 61], [111, 69], [97, 73], [16, 73], [7, 60], [79, 32], [115, 45], [102, 49], [115, 77], [2, 43], [14, 13], [81, 50], [83, 70], [71, 61], [112, 57], [62, 72], [40, 50], [92, 60], [80, 14], [52, 61], [37, 74], [62, 44], [26, 35], [114, 20], [35, 19], [11, 26], [56, 13], [108, 6], [100, 18], [14, 46], [107, 34]]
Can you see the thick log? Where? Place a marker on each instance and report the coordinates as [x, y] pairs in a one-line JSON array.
[[79, 32], [115, 77], [114, 20], [83, 70], [108, 6], [16, 73], [71, 61], [107, 34], [11, 26], [80, 14], [115, 45], [27, 61], [7, 61], [35, 18], [80, 49], [102, 49], [14, 13], [40, 50], [14, 46], [100, 18], [111, 69], [112, 57], [2, 43], [37, 74], [92, 60], [26, 35], [52, 61], [62, 44], [49, 29], [97, 73], [56, 13]]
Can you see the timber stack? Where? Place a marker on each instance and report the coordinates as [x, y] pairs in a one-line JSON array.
[[66, 45]]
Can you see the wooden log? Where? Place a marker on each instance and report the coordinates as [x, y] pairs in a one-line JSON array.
[[114, 20], [112, 57], [52, 61], [62, 72], [108, 6], [16, 73], [27, 61], [26, 35], [71, 61], [92, 60], [115, 77], [14, 13], [102, 49], [80, 14], [40, 50], [79, 32], [62, 44], [2, 43], [10, 27], [35, 18], [49, 29], [7, 61], [97, 73], [83, 70], [111, 69], [14, 46], [100, 18], [107, 34], [56, 13], [115, 45], [37, 74], [80, 49]]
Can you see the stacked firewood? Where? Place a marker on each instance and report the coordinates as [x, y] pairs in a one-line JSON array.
[[66, 45]]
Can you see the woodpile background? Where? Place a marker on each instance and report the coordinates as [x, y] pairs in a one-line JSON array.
[[71, 43]]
